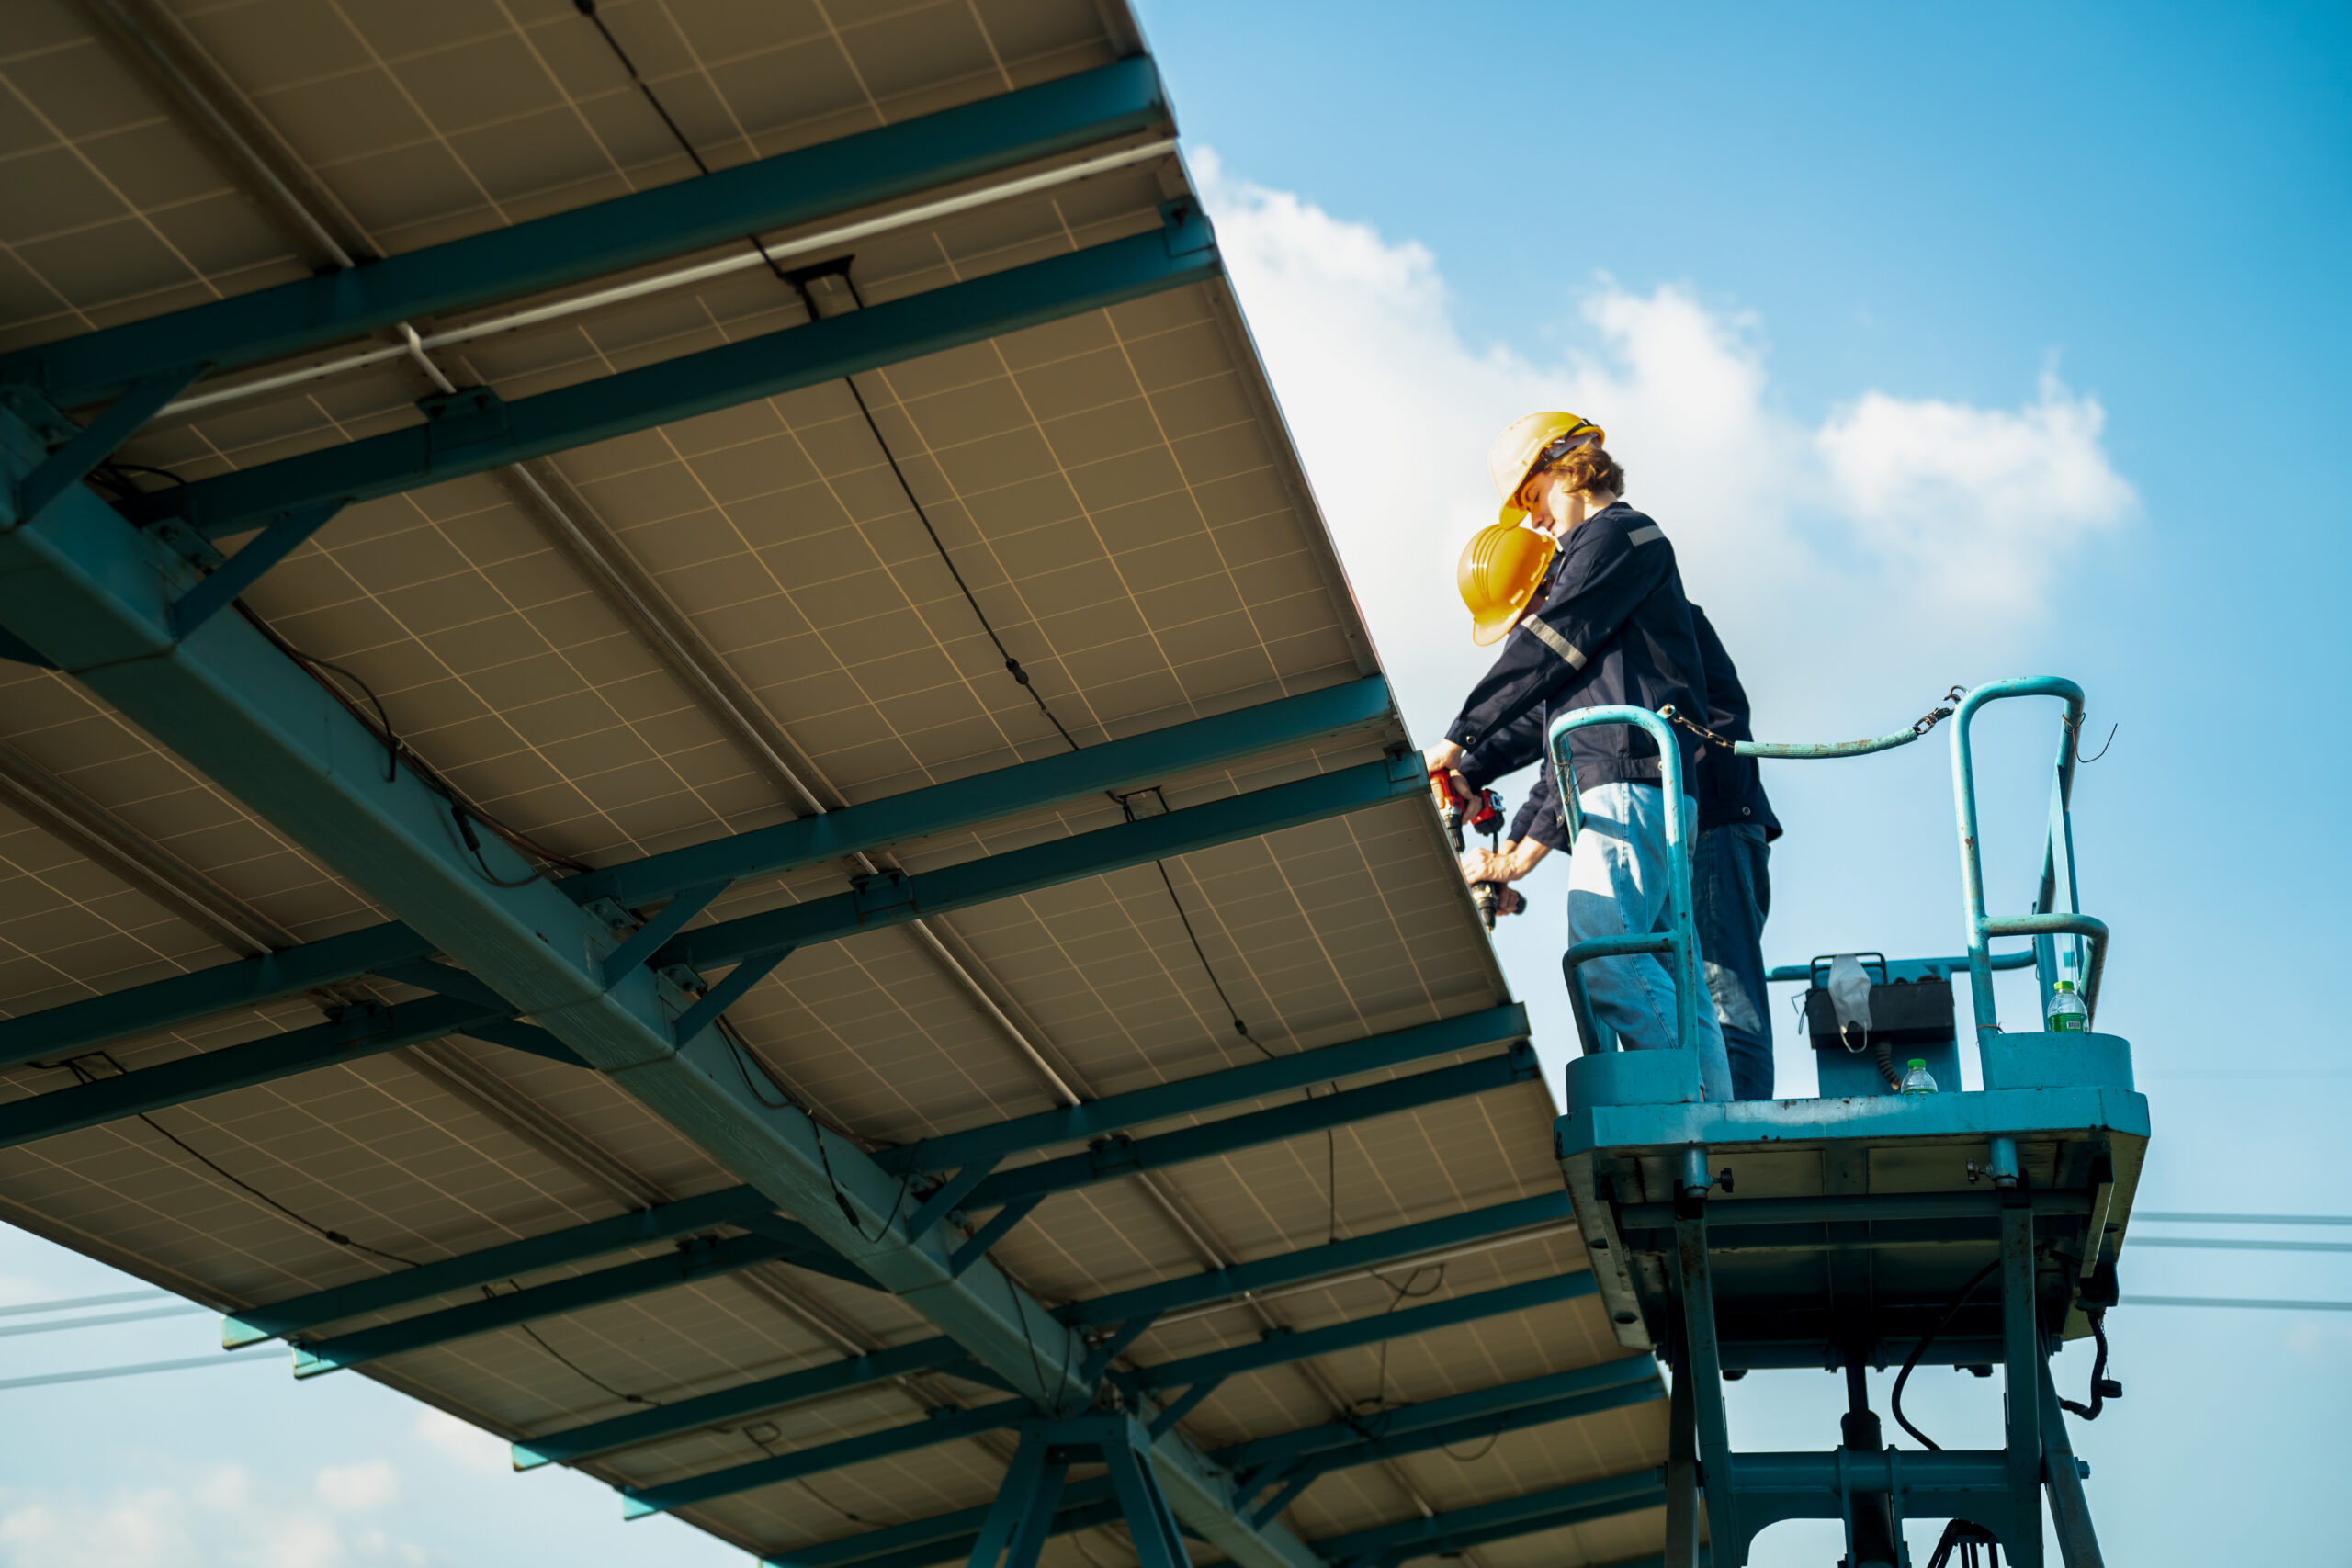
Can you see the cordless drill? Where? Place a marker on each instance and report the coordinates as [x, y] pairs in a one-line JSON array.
[[1482, 812]]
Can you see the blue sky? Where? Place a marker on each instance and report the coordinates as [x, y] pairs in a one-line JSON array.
[[1947, 344], [1892, 223]]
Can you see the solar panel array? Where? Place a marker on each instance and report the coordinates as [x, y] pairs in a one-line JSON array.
[[842, 597]]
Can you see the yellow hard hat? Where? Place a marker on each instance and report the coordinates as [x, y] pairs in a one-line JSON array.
[[1499, 569], [1525, 443]]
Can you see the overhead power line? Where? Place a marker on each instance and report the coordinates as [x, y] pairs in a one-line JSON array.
[[2222, 1244], [2173, 1217], [25, 1309], [2246, 1302], [190, 1364], [183, 1309]]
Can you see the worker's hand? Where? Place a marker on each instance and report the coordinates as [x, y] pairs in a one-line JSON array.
[[1486, 865], [1445, 756]]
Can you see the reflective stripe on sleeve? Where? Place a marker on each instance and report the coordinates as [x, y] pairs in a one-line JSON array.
[[1568, 650], [1646, 535]]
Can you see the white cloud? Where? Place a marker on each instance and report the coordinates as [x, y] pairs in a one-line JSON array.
[[462, 1441], [1855, 565], [193, 1517], [1916, 476], [355, 1487]]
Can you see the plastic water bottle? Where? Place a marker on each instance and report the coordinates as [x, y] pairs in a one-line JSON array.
[[2066, 1012], [1919, 1080]]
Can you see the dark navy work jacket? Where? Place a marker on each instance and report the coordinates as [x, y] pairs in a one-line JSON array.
[[1730, 791], [1609, 626]]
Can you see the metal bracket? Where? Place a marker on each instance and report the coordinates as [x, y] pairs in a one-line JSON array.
[[882, 893], [94, 444], [456, 422], [1186, 227]]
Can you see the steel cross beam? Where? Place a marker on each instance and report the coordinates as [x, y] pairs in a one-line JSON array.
[[474, 431], [765, 852], [796, 188], [88, 592], [944, 1538], [1458, 1529], [1126, 1156], [692, 1262], [1205, 1091], [893, 900], [1291, 1459], [1283, 1347], [357, 1034], [1143, 1303], [664, 1221], [746, 1207], [473, 1009]]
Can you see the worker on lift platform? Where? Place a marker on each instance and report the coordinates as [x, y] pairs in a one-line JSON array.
[[1731, 888], [1609, 624]]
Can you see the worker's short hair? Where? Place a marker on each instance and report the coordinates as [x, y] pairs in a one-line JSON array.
[[1588, 469]]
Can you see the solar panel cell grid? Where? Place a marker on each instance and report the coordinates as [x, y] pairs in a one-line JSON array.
[[689, 631]]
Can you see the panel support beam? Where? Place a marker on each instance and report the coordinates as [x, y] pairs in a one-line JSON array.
[[357, 1033], [1127, 1157], [475, 431], [765, 851], [894, 900], [745, 1206], [691, 1262], [1458, 1530], [386, 1292], [1206, 1091], [946, 1425], [1284, 1347], [1311, 1451], [796, 188], [1130, 1307]]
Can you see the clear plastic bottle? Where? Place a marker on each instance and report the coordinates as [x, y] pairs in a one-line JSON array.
[[1919, 1080], [2066, 1014]]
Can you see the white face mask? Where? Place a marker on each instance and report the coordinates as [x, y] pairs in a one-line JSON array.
[[1850, 993]]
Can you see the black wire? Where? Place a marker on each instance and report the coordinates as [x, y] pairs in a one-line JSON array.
[[1405, 1292], [1127, 808], [394, 747], [1473, 1458], [537, 1339], [459, 815], [1894, 1401], [766, 1446], [1011, 665], [384, 719], [79, 1071], [828, 1502], [2098, 1369], [588, 9]]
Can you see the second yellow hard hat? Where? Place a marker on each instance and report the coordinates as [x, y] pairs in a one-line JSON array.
[[1523, 443], [1497, 574]]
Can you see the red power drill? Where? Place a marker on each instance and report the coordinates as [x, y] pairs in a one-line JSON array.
[[1482, 811]]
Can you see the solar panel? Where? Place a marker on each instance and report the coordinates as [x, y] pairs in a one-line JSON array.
[[775, 767]]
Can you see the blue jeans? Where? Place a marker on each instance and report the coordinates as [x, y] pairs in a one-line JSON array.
[[1617, 886], [1732, 885]]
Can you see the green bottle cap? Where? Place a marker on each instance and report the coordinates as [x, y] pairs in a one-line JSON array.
[[1921, 1065], [2065, 985]]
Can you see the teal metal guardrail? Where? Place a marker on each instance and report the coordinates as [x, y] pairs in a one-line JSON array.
[[2066, 942]]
